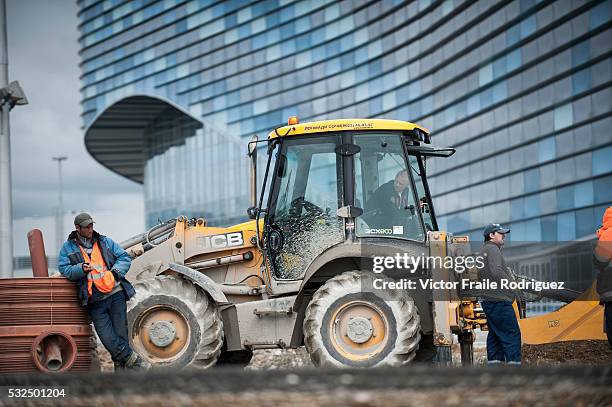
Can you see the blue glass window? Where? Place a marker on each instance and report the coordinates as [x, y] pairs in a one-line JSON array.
[[563, 116], [346, 42], [473, 104], [231, 20], [361, 55], [244, 30], [528, 26], [500, 91], [532, 205], [581, 81], [287, 13], [517, 209], [414, 88], [332, 66], [566, 226], [485, 74], [458, 222], [546, 149], [219, 87], [527, 4], [580, 53], [302, 24], [603, 189], [499, 67], [361, 73], [288, 47], [531, 180], [376, 105], [585, 222], [246, 110], [513, 35], [181, 26], [375, 86], [402, 94], [233, 98], [375, 67], [513, 60], [565, 198], [303, 42], [583, 194], [287, 30], [347, 60], [533, 230], [602, 162], [518, 232], [486, 98], [599, 14], [549, 228], [218, 10], [259, 41], [426, 105], [332, 49], [273, 36]]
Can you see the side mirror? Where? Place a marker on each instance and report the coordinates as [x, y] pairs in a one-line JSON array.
[[252, 212]]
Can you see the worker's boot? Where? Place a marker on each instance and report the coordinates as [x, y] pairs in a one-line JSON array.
[[137, 362], [119, 366]]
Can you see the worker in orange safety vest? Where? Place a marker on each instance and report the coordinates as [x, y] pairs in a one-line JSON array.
[[602, 258]]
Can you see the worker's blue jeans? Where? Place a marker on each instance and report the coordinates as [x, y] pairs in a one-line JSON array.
[[504, 337], [109, 317], [608, 321]]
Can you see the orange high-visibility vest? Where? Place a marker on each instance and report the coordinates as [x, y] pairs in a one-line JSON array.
[[100, 275]]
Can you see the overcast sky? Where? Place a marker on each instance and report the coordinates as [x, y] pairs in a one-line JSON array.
[[43, 57]]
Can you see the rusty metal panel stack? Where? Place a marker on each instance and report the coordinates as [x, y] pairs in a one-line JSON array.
[[43, 327]]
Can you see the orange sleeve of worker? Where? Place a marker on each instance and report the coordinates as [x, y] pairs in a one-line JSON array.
[[603, 250]]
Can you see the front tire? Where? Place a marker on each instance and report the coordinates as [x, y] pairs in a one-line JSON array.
[[347, 326], [174, 324]]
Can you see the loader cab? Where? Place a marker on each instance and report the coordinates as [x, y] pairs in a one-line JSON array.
[[344, 182]]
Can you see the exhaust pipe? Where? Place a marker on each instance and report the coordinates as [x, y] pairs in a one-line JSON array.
[[253, 155]]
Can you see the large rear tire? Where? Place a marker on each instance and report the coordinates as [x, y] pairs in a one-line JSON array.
[[346, 326], [174, 324]]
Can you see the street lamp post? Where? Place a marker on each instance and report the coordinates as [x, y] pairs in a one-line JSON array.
[[10, 95], [59, 222]]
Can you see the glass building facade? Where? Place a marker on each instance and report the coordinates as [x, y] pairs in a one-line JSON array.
[[173, 89]]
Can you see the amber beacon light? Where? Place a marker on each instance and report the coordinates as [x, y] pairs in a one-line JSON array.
[[293, 120]]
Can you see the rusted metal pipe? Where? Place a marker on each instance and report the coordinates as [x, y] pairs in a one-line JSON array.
[[37, 253], [52, 353]]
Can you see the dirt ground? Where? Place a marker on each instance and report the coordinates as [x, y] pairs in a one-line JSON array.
[[572, 352]]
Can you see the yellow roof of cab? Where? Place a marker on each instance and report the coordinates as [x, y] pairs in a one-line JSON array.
[[326, 126]]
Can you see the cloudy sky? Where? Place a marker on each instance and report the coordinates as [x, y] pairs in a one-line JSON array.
[[43, 57]]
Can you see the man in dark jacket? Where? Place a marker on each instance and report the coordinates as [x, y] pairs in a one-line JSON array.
[[504, 337], [99, 265], [392, 204]]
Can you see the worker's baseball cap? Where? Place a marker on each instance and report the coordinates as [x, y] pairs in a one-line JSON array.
[[83, 220], [494, 227]]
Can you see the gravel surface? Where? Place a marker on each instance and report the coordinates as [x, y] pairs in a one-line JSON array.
[[574, 352]]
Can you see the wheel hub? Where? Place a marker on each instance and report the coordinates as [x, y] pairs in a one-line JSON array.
[[162, 333], [359, 329]]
